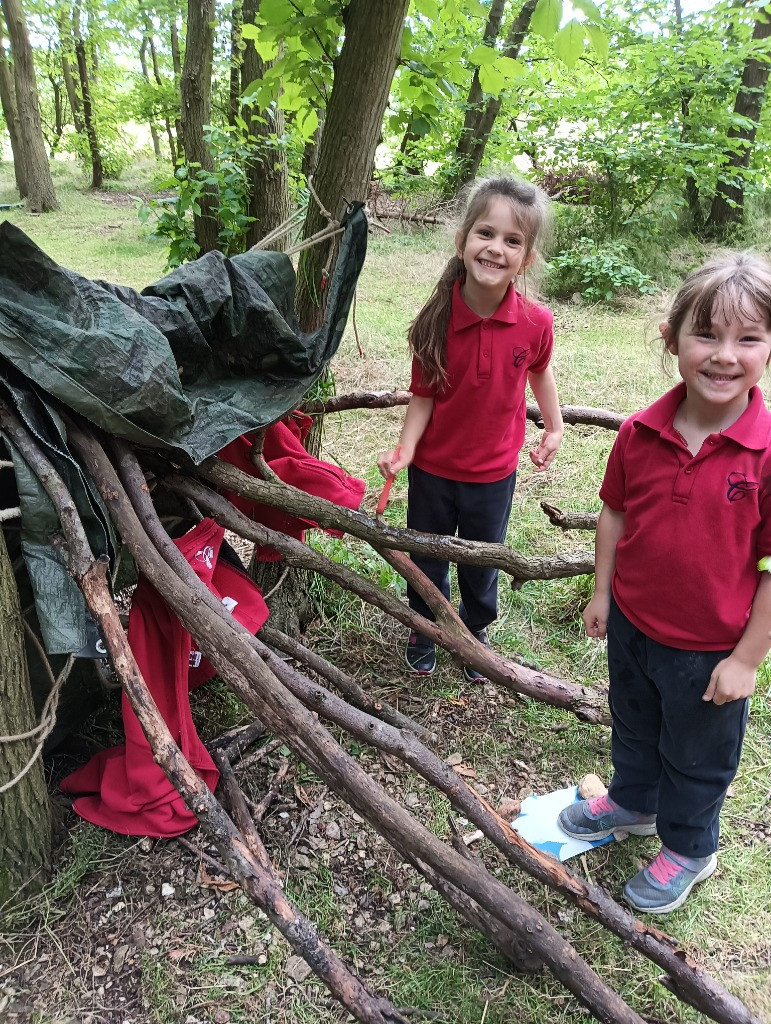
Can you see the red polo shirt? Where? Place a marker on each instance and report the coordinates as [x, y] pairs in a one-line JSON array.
[[477, 426], [696, 525]]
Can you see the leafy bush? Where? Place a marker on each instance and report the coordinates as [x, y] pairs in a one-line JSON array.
[[597, 270]]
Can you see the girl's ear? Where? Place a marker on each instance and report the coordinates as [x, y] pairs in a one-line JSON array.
[[529, 259], [665, 329], [460, 242]]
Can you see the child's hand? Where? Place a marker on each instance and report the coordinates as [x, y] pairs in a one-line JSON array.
[[731, 679], [595, 616], [391, 462], [543, 454]]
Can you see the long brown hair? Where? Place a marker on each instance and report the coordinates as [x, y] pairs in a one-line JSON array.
[[428, 331]]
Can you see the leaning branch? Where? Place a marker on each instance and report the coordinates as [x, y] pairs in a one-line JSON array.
[[381, 535]]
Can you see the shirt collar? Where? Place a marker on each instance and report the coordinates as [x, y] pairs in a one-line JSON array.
[[463, 316], [752, 429]]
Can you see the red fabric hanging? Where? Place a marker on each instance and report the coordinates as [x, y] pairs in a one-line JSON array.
[[128, 791], [283, 451]]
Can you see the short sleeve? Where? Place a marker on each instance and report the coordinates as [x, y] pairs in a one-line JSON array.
[[764, 533], [417, 387], [543, 352], [613, 489]]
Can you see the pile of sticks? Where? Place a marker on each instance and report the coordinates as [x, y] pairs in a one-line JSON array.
[[296, 709]]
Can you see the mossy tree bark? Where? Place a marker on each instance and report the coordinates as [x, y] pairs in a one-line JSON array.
[[25, 836]]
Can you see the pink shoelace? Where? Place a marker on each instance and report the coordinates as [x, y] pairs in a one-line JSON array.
[[663, 869], [602, 805]]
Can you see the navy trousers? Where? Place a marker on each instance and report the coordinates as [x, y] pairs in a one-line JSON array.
[[473, 512], [674, 755]]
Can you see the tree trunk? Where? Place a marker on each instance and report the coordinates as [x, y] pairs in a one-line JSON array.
[[476, 135], [146, 76], [159, 81], [196, 111], [267, 170], [364, 70], [235, 85], [65, 45], [311, 151], [475, 103], [728, 202], [25, 838], [11, 115], [36, 173], [176, 62], [97, 170]]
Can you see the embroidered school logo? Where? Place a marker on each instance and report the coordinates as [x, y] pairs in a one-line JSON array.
[[739, 486], [518, 356]]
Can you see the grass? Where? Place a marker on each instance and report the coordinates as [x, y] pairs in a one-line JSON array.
[[604, 357]]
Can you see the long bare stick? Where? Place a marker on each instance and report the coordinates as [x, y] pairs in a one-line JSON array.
[[448, 631]]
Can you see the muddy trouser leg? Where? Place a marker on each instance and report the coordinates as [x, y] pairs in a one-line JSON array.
[[674, 755]]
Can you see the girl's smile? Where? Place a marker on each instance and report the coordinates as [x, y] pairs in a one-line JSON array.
[[721, 362], [494, 253]]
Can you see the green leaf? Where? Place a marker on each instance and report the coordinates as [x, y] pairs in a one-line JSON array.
[[546, 18], [589, 8], [420, 126], [491, 80], [569, 42], [509, 67], [277, 12], [764, 565], [307, 123], [249, 31], [428, 8], [598, 39], [483, 55]]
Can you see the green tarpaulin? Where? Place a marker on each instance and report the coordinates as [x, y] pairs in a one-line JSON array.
[[193, 361]]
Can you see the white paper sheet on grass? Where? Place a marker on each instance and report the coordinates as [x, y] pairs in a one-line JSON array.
[[537, 822]]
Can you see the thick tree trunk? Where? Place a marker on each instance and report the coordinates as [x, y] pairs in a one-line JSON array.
[[11, 115], [25, 836], [36, 174], [89, 122], [196, 111], [476, 133], [728, 202], [364, 70], [267, 170]]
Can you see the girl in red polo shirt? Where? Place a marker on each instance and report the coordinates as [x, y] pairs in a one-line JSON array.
[[476, 343], [686, 516]]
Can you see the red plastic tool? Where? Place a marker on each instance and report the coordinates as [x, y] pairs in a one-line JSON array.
[[383, 499]]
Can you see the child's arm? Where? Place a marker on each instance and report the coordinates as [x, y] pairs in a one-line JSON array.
[[544, 388], [415, 422], [610, 528], [734, 677]]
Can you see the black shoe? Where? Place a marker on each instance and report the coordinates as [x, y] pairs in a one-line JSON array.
[[420, 654], [470, 674]]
